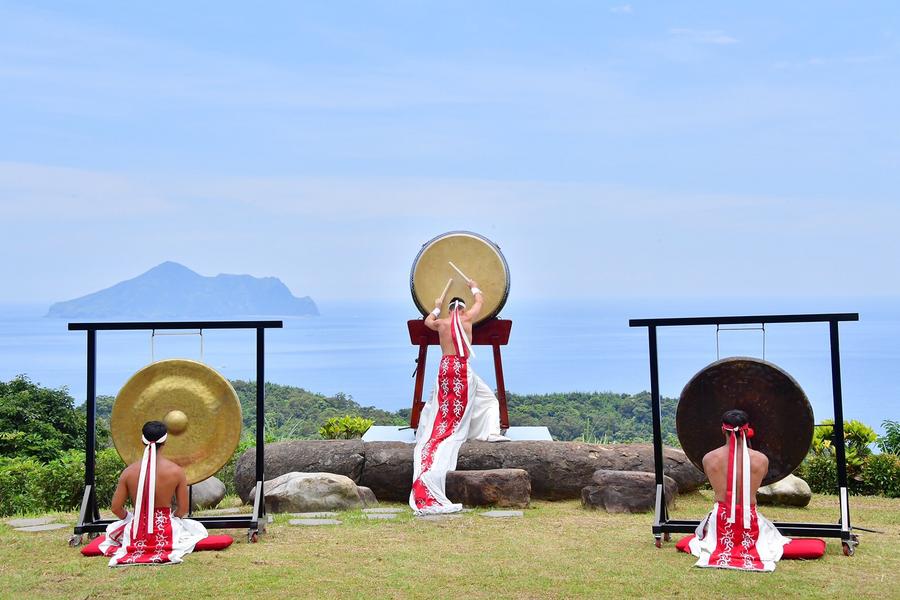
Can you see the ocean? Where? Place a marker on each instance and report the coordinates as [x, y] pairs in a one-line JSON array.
[[363, 350]]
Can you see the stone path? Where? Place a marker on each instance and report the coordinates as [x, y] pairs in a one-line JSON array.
[[47, 527], [30, 522], [313, 522], [384, 510], [381, 516], [313, 515]]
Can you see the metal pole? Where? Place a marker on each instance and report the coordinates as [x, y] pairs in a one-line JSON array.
[[661, 512], [90, 448], [260, 402], [840, 452]]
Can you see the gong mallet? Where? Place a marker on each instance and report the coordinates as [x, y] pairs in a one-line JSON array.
[[458, 271], [444, 293]]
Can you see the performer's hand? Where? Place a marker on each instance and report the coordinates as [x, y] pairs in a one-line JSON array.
[[438, 302], [472, 284]]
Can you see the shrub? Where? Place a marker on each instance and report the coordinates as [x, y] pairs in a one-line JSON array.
[[61, 482], [881, 474], [345, 428], [820, 472], [19, 488], [107, 469], [226, 473], [889, 443]]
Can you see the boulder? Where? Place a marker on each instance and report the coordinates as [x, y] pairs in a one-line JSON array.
[[495, 487], [790, 491], [342, 457], [558, 470], [625, 491], [309, 492], [388, 470], [367, 496], [207, 493]]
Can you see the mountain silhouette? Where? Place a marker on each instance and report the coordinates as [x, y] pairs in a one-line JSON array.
[[171, 290]]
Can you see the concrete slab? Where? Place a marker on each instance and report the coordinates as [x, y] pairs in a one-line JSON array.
[[382, 516], [502, 514], [30, 522], [444, 517], [223, 511], [314, 522], [47, 527], [314, 515], [384, 510]]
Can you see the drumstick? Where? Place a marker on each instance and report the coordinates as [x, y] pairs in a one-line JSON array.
[[446, 287], [460, 272]]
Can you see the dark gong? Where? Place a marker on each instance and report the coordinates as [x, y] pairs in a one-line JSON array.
[[779, 411]]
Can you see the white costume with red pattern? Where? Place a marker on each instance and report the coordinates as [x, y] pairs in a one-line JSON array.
[[154, 536], [733, 535], [462, 407]]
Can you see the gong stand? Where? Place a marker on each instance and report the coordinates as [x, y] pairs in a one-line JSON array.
[[89, 520], [662, 524], [492, 332]]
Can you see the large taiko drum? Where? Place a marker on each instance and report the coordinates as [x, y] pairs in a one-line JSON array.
[[198, 405], [779, 412], [476, 256]]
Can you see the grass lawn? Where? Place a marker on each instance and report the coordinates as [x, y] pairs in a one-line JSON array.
[[558, 550]]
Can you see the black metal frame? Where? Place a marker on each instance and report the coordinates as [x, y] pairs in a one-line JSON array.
[[662, 525], [89, 520]]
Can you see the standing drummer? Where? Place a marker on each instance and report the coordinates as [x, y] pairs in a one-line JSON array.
[[462, 406]]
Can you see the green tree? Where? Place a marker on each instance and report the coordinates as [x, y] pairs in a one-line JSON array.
[[36, 421]]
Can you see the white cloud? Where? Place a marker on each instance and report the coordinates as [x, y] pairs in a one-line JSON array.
[[703, 36]]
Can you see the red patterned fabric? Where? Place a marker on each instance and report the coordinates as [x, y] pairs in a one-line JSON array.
[[797, 548], [147, 548], [213, 542], [452, 398]]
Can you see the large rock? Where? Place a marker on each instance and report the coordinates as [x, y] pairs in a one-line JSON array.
[[342, 457], [625, 491], [558, 470], [309, 492], [367, 496], [496, 487], [207, 493], [790, 491], [388, 470]]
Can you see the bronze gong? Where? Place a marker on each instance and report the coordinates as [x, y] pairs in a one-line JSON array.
[[476, 256], [779, 412], [199, 406]]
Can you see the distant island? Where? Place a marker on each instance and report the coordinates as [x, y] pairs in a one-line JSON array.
[[172, 291]]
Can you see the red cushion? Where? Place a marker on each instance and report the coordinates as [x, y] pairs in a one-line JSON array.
[[797, 548], [212, 542]]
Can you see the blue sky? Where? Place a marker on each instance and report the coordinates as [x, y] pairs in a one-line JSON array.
[[612, 149]]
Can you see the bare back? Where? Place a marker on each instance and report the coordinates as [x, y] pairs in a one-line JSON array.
[[715, 465], [171, 482], [445, 336]]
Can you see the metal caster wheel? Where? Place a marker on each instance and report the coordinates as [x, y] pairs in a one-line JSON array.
[[667, 537], [93, 535], [75, 541], [847, 548], [658, 542], [253, 537]]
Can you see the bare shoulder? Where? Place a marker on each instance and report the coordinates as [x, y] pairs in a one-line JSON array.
[[169, 466], [712, 456], [759, 457]]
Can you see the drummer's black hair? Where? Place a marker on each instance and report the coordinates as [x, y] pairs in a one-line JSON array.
[[735, 417], [457, 299], [153, 430]]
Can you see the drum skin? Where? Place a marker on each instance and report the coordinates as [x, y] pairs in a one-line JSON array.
[[780, 413], [478, 257], [198, 405]]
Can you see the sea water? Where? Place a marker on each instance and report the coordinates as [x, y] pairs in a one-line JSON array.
[[363, 350]]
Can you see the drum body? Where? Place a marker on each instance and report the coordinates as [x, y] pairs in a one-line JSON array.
[[198, 405], [478, 257], [779, 412]]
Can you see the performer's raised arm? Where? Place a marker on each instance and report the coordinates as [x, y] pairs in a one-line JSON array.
[[474, 312], [431, 319]]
